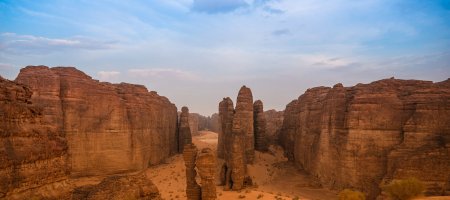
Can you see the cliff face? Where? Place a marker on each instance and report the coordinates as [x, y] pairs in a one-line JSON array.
[[32, 153], [274, 122], [58, 121], [363, 135]]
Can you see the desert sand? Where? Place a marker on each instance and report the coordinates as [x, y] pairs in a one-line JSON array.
[[274, 176]]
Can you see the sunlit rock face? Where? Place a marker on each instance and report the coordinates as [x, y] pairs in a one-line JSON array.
[[32, 152], [236, 140], [59, 122], [243, 121], [118, 188], [367, 134], [109, 128]]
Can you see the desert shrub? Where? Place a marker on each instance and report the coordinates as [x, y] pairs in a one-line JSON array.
[[404, 189], [348, 194]]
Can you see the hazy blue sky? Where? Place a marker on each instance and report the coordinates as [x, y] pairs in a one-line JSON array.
[[197, 51]]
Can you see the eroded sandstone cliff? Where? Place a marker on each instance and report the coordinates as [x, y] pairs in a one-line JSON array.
[[361, 136], [59, 122]]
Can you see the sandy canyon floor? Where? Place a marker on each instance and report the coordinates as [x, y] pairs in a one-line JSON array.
[[275, 177]]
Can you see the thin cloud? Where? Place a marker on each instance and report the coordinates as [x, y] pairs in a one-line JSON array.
[[162, 73], [107, 75], [14, 43]]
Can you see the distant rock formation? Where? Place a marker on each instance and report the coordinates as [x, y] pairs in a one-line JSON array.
[[206, 164], [118, 188], [184, 130], [193, 123], [274, 122], [59, 122], [368, 134], [214, 123], [193, 190], [259, 120]]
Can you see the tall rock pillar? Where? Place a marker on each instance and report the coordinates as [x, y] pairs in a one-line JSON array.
[[260, 126]]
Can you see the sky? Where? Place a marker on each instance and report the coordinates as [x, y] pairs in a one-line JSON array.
[[195, 52]]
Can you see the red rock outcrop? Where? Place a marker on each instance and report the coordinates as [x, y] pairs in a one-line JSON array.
[[207, 164], [259, 125], [226, 113], [58, 122], [274, 122], [236, 140], [243, 121], [193, 190], [118, 188], [32, 153], [184, 129], [364, 135]]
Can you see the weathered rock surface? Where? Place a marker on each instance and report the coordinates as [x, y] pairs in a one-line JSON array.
[[226, 114], [243, 121], [32, 153], [206, 164], [364, 135], [236, 140], [193, 190], [259, 120], [184, 129], [119, 188], [274, 122], [58, 122]]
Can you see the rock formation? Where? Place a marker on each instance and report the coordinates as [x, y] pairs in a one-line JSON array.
[[32, 152], [243, 121], [118, 188], [236, 140], [367, 134], [214, 123], [206, 164], [193, 123], [259, 121], [58, 122], [226, 113], [274, 122], [184, 130], [193, 190], [287, 134]]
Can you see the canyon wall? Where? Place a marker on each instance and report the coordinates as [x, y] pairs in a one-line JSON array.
[[32, 153], [362, 136], [274, 122], [59, 122]]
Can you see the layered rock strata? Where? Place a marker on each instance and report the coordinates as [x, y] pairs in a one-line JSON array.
[[137, 187], [59, 122], [184, 129], [259, 121], [32, 153], [226, 114], [236, 140], [193, 190], [206, 164], [361, 136], [243, 121]]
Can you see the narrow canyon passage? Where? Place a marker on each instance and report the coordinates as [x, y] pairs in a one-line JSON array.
[[273, 174]]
